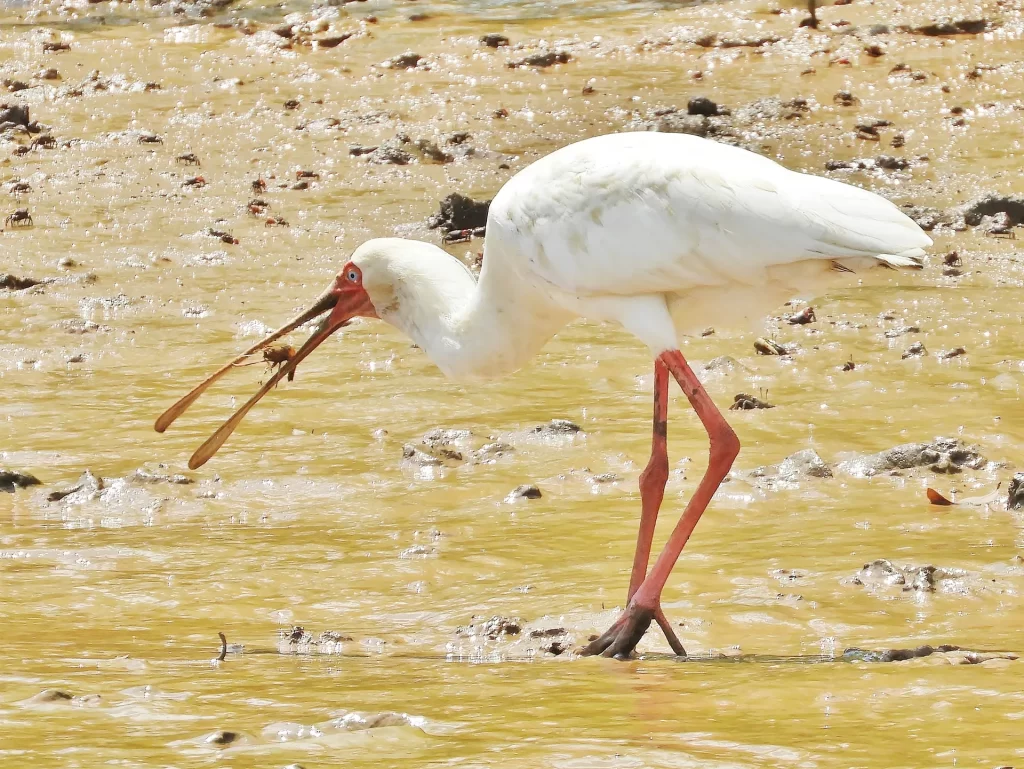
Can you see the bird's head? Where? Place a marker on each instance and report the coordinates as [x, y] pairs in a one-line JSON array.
[[373, 283]]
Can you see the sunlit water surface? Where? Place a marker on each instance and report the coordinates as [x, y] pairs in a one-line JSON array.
[[309, 517]]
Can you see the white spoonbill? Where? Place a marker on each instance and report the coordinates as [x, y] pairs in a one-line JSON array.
[[659, 233]]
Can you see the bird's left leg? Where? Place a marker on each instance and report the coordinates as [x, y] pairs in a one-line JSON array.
[[621, 638]]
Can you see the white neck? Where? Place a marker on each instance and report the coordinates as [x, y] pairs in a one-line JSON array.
[[470, 329]]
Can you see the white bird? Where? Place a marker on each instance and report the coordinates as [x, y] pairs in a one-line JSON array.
[[659, 233]]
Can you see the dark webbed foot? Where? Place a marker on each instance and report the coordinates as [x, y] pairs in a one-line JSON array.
[[620, 640]]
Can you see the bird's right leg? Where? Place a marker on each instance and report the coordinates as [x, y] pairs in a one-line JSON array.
[[652, 492]]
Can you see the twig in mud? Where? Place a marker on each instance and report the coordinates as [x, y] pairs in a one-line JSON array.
[[223, 647]]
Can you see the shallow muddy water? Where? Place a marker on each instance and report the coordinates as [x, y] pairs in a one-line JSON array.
[[310, 517]]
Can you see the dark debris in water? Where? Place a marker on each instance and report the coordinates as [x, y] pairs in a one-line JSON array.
[[459, 212], [12, 479], [954, 654]]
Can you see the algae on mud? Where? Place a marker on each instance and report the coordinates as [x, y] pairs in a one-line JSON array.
[[114, 596]]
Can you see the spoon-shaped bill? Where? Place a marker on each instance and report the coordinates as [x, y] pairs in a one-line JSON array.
[[215, 441], [326, 302]]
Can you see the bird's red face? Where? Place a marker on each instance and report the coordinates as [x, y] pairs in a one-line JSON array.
[[345, 299]]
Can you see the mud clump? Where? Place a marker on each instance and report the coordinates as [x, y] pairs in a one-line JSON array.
[[950, 27], [1015, 497], [542, 60], [390, 152], [494, 628], [14, 283], [459, 212], [928, 218], [943, 455], [11, 480], [450, 447], [883, 572], [991, 204], [557, 427], [50, 696], [526, 491], [89, 486], [896, 655], [407, 60], [802, 464], [16, 114]]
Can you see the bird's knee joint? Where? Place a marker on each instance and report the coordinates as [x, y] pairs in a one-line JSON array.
[[656, 472], [725, 446]]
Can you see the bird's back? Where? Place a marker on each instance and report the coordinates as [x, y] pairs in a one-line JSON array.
[[639, 213]]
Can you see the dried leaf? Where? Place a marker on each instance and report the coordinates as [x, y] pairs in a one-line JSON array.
[[936, 498]]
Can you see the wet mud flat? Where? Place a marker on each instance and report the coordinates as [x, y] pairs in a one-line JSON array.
[[178, 178]]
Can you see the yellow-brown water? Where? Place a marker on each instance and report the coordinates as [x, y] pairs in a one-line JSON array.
[[309, 516]]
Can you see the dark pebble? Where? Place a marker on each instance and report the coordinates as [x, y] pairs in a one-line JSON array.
[[494, 40], [701, 105], [916, 350]]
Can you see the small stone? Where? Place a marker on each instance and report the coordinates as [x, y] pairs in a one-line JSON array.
[[845, 99], [494, 40], [526, 491], [956, 352], [221, 737], [916, 350]]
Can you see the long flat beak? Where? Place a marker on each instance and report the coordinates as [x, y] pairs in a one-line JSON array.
[[346, 306], [327, 301]]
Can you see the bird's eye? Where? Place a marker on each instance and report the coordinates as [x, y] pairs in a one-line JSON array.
[[352, 276]]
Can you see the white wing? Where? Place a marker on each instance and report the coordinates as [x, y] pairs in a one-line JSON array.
[[662, 213]]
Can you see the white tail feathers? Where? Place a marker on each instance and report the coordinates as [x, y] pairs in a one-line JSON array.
[[908, 259]]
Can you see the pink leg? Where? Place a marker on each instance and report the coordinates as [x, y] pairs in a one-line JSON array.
[[621, 639], [652, 492]]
